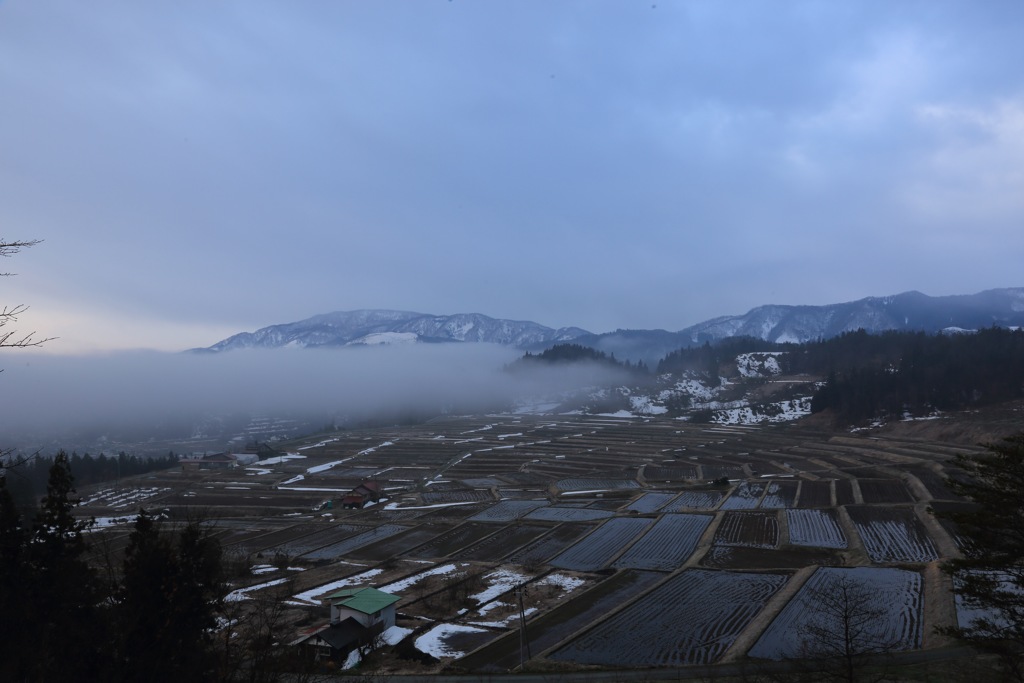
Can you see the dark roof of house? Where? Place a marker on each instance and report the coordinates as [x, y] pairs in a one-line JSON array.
[[219, 457], [344, 633]]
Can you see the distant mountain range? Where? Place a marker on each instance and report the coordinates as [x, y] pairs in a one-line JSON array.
[[371, 327], [908, 311]]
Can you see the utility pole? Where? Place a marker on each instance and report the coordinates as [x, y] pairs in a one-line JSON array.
[[524, 642]]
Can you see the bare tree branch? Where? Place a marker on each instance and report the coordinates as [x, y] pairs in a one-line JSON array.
[[9, 314]]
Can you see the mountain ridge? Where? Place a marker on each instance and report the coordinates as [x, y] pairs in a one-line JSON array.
[[771, 322], [364, 327]]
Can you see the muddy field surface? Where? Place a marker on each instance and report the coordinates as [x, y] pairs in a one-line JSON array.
[[748, 529], [815, 494], [621, 504], [502, 543], [788, 558], [549, 545]]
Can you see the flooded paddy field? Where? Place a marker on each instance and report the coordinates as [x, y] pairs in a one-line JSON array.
[[608, 528]]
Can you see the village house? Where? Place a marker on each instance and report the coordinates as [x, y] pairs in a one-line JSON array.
[[358, 616], [212, 461], [357, 498]]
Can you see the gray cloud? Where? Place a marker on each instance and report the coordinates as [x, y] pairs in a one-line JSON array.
[[198, 169]]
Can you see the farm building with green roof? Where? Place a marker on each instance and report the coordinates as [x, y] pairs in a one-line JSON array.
[[369, 606]]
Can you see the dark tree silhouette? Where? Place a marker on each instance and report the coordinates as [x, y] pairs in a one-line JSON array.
[[844, 629], [989, 577], [167, 604]]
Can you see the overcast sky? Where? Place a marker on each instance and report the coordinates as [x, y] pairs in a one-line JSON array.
[[197, 169]]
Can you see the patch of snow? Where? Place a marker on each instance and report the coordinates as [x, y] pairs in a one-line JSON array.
[[107, 522], [310, 488], [326, 466], [507, 620], [617, 413], [316, 445], [643, 406], [310, 597], [433, 641], [405, 583], [280, 459], [500, 581], [386, 338], [243, 593], [394, 506], [567, 583]]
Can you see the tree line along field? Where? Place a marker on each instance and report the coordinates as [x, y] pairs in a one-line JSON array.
[[626, 550]]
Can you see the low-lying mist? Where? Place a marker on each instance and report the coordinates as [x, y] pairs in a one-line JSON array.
[[46, 396]]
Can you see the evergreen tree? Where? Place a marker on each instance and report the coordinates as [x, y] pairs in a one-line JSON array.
[[990, 575], [65, 635], [167, 604], [14, 579]]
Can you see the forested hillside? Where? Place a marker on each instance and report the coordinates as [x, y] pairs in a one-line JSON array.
[[890, 374], [913, 373]]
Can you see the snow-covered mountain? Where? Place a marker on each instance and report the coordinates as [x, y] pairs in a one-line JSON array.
[[908, 311], [366, 327], [776, 323]]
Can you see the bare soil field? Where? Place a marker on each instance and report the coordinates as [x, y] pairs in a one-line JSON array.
[[627, 506]]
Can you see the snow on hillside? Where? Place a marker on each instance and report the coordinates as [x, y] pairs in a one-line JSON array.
[[783, 411], [745, 397], [378, 338], [762, 364]]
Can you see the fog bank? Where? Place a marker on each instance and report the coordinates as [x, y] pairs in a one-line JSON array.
[[43, 393]]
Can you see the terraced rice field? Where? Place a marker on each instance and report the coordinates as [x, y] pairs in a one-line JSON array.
[[649, 632], [882, 604], [745, 496], [694, 500], [892, 534], [667, 545], [884, 491], [553, 627], [598, 549], [748, 529], [453, 541], [508, 510], [650, 502], [499, 544], [817, 528], [597, 497], [546, 547], [340, 549], [780, 495], [569, 514], [815, 494]]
